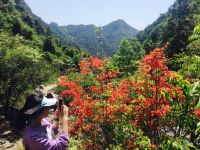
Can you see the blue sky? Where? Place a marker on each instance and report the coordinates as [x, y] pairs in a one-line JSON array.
[[137, 13]]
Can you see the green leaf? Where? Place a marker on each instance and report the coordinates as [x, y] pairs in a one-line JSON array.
[[198, 105], [194, 87]]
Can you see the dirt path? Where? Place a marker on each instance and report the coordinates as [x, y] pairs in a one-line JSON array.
[[9, 140]]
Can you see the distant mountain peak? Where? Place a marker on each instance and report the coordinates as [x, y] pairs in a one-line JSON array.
[[85, 35], [53, 23], [120, 23]]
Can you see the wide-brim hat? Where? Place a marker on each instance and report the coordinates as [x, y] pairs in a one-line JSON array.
[[45, 102]]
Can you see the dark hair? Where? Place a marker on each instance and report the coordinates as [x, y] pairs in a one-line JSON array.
[[24, 119]]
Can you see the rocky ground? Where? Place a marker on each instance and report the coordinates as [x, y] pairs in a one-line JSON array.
[[9, 139]]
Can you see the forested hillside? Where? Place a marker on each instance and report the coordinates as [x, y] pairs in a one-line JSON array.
[[30, 53], [104, 40], [172, 28]]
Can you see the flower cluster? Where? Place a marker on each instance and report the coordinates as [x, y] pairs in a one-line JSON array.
[[109, 110], [90, 64]]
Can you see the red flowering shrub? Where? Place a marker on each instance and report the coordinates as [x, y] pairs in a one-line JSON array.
[[152, 86], [90, 64], [129, 112]]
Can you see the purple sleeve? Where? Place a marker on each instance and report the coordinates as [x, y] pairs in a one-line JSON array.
[[56, 129], [41, 143]]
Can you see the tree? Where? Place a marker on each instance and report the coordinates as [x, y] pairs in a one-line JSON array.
[[100, 45], [17, 27], [196, 31], [130, 50], [49, 45], [194, 46], [22, 69]]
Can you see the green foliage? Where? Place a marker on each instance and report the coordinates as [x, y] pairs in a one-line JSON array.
[[16, 27], [182, 114], [84, 36], [130, 51], [49, 45], [191, 67], [74, 144], [124, 131], [186, 65], [194, 48], [178, 144], [192, 94], [16, 18], [30, 54], [172, 28], [198, 128], [27, 32], [22, 69], [196, 33]]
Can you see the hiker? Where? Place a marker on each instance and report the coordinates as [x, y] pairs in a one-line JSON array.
[[38, 131]]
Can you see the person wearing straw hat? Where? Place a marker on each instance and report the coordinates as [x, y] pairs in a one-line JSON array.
[[38, 131]]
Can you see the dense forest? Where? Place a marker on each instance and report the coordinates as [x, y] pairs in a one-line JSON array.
[[144, 96]]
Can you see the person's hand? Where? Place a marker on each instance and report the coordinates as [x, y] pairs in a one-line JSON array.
[[64, 117], [64, 111], [57, 113]]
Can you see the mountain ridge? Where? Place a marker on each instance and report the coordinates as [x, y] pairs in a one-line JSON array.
[[86, 36]]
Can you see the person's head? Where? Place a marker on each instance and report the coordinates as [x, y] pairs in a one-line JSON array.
[[35, 107]]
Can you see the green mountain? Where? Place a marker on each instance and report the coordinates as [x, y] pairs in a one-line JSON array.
[[17, 19], [83, 35], [30, 54], [104, 40], [172, 28]]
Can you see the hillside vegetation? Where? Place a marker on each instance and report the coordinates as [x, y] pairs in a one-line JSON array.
[[172, 28], [30, 53]]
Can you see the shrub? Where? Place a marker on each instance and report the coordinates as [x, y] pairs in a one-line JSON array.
[[22, 69], [131, 113]]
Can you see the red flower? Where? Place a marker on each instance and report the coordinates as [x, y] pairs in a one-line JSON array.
[[197, 113], [153, 146]]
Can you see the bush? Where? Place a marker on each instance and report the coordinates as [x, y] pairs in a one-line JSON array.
[[49, 45], [187, 65], [27, 32], [130, 51], [22, 69], [133, 113]]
